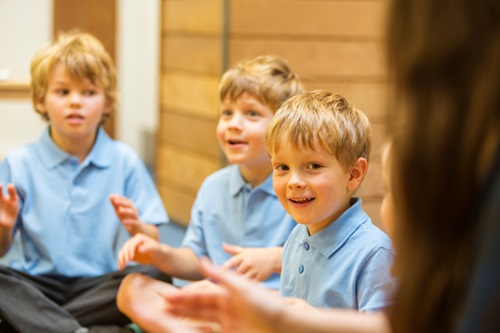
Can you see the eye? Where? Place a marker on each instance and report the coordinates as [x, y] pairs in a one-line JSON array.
[[89, 92], [62, 92], [281, 167], [226, 113], [252, 113], [314, 166]]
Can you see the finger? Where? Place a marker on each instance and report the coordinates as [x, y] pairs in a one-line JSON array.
[[232, 262], [11, 189], [122, 261], [224, 277], [243, 270], [232, 249], [251, 275], [126, 212]]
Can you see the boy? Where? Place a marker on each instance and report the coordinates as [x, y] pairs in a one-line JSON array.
[[57, 198], [236, 210], [335, 257]]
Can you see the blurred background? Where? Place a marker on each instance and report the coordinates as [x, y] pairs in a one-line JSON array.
[[170, 55]]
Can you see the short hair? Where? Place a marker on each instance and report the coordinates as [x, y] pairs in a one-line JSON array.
[[322, 118], [267, 78], [83, 56]]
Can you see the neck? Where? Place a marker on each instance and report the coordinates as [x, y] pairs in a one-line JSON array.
[[79, 147], [256, 175]]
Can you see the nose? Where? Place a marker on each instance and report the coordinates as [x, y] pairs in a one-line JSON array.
[[296, 180], [235, 122], [75, 99]]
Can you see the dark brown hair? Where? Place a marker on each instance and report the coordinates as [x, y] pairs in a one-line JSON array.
[[444, 60]]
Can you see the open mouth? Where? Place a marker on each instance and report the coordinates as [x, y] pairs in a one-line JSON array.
[[235, 142], [301, 200], [74, 116]]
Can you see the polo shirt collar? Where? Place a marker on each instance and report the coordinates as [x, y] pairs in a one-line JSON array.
[[52, 156], [237, 183], [330, 239]]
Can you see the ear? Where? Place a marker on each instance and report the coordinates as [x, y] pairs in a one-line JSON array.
[[40, 106], [357, 175]]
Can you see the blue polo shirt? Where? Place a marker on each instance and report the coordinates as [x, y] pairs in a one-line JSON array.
[[345, 265], [228, 210], [67, 225]]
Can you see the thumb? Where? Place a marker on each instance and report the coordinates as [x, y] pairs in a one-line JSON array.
[[231, 249]]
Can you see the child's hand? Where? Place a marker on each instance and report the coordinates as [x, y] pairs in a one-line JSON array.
[[141, 249], [9, 207], [127, 213], [255, 263]]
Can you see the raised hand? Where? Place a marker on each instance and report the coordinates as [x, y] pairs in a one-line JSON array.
[[9, 207], [126, 212], [255, 263], [141, 249]]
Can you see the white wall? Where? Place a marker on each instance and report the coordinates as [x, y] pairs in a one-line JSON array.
[[26, 25], [137, 60]]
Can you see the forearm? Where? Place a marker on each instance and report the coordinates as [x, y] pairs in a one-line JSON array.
[[6, 239], [147, 229], [179, 262], [277, 258], [325, 321]]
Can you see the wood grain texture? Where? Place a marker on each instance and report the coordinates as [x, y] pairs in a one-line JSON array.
[[184, 168], [193, 93], [312, 18], [193, 16], [189, 53], [185, 132], [178, 203], [317, 58]]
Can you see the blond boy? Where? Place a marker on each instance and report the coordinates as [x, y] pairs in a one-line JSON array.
[[335, 257], [58, 198]]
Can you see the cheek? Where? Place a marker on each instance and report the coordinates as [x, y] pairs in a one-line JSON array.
[[279, 185], [387, 214], [219, 132]]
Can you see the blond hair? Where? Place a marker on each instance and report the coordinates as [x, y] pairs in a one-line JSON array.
[[325, 119], [83, 56], [267, 78]]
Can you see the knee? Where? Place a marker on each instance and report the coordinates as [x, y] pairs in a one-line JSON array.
[[130, 285]]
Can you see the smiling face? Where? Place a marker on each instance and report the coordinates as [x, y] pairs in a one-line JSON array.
[[74, 108], [311, 184], [241, 133]]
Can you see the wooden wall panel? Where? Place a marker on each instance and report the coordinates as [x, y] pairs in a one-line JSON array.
[[313, 18], [191, 65], [190, 133], [316, 58], [188, 171], [199, 54], [178, 203], [201, 17], [195, 94]]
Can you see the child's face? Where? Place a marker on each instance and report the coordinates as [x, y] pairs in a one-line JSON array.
[[241, 131], [74, 108], [312, 185]]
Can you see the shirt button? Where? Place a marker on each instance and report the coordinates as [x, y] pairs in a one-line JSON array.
[[301, 269], [306, 246]]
